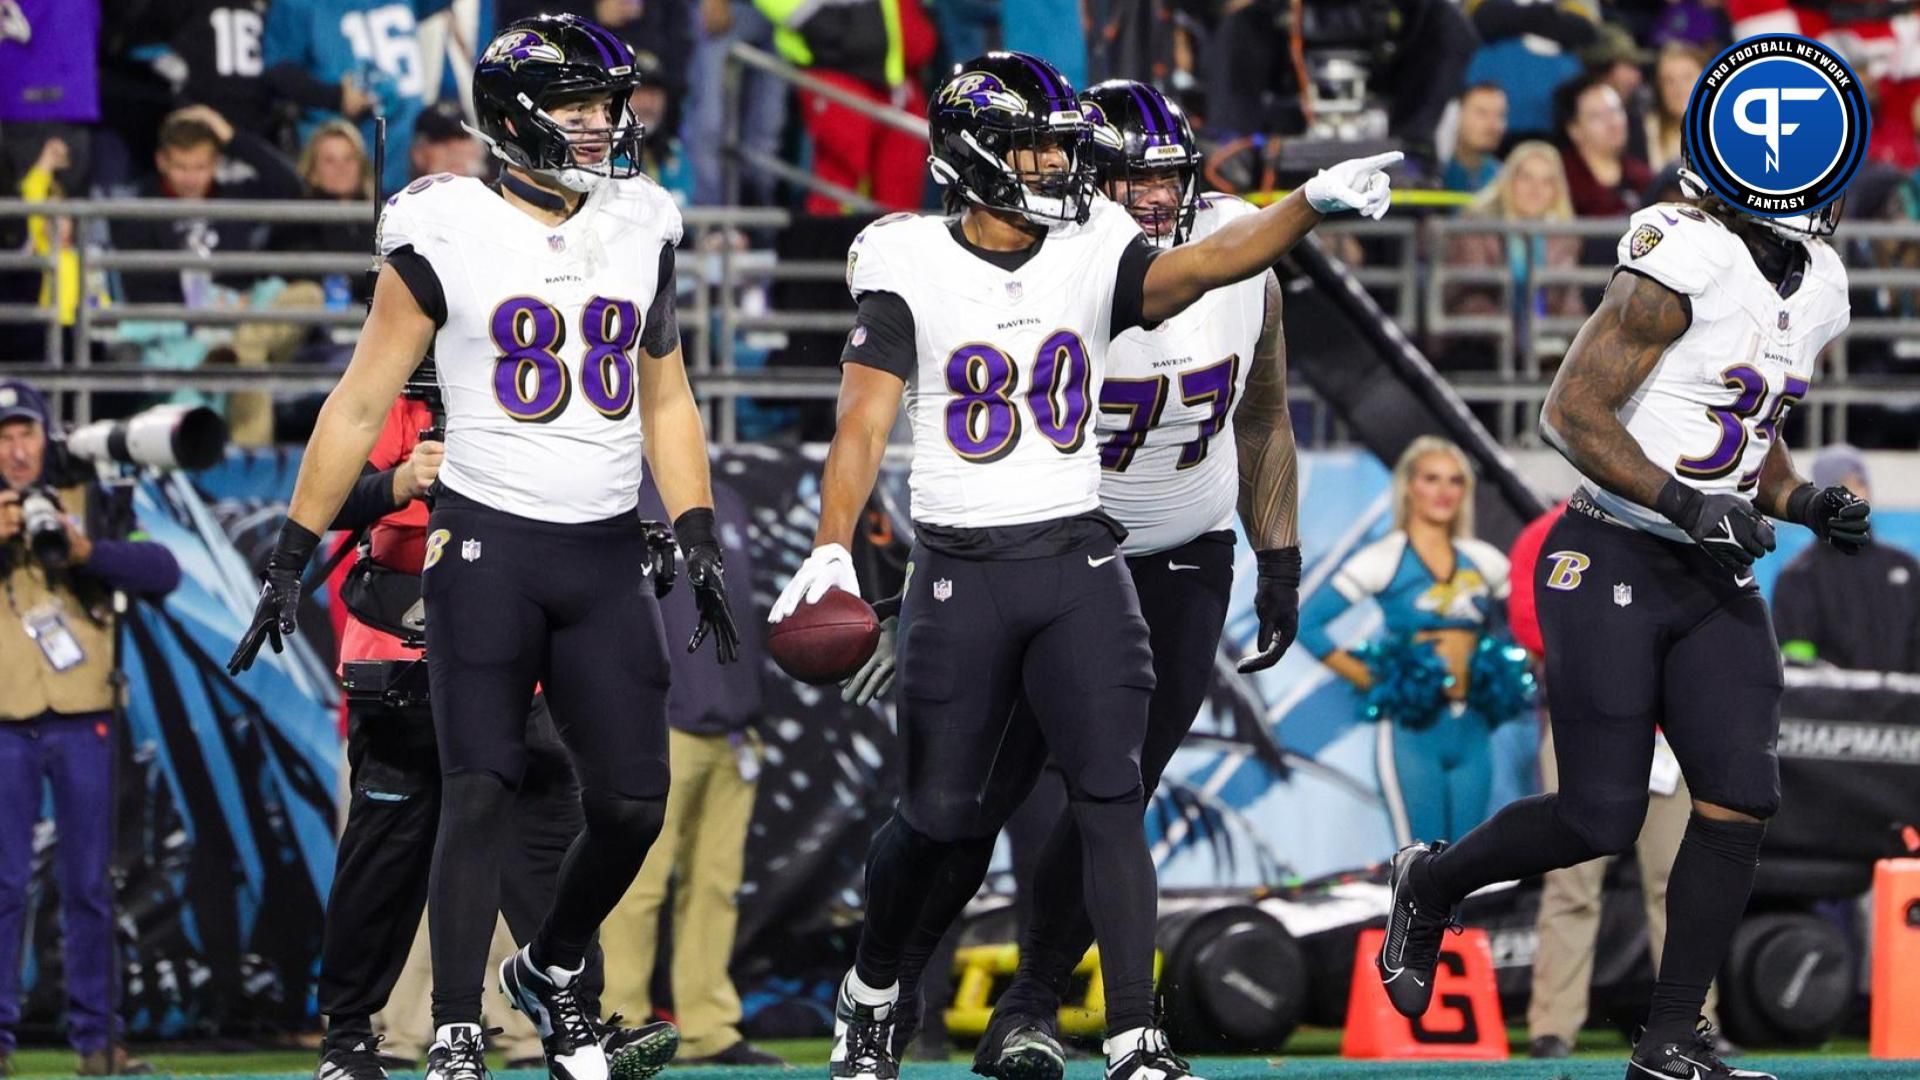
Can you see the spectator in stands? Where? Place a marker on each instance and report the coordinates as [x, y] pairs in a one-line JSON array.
[[192, 141], [660, 32], [866, 49], [1530, 51], [441, 144], [1674, 73], [1699, 23], [662, 155], [1476, 145], [762, 102], [39, 185], [1531, 186], [351, 58], [715, 755], [213, 58], [1621, 63], [1861, 611], [50, 50], [57, 690], [1055, 29], [1602, 180]]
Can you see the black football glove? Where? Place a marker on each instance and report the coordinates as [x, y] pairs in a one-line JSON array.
[[705, 573], [663, 563], [277, 614], [1835, 515], [1726, 527], [1277, 601]]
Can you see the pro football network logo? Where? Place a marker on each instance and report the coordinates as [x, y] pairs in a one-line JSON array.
[[1777, 125], [517, 47], [980, 91]]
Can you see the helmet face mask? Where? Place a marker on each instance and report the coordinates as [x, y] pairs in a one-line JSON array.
[[1145, 157], [1819, 224], [1007, 134], [536, 91]]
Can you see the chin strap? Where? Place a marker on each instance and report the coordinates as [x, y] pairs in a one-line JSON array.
[[533, 193]]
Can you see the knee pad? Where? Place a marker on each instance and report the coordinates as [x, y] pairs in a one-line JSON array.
[[475, 801], [624, 819], [1108, 778], [1609, 825], [938, 817], [1735, 841]]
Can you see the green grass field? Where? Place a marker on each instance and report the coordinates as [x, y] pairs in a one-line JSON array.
[[1312, 1055]]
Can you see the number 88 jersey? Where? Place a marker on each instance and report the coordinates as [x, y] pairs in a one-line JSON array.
[[540, 331], [1718, 398], [1007, 363]]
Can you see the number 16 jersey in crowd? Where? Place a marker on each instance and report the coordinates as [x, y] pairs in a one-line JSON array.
[[1006, 357], [540, 331]]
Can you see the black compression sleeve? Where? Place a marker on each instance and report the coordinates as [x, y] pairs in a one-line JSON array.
[[662, 334], [422, 282], [370, 499], [1130, 285], [883, 335]]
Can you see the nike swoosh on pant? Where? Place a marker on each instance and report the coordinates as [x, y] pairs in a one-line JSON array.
[[1096, 563]]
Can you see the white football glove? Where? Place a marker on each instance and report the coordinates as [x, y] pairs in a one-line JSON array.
[[875, 677], [829, 567], [1355, 184]]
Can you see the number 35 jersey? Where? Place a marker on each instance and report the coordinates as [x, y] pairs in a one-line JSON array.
[[1166, 409], [1007, 362], [1716, 401], [540, 332]]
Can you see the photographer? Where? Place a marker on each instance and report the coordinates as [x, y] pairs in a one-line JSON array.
[[380, 872], [57, 690]]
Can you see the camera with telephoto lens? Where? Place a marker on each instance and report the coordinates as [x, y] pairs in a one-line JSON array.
[[164, 437], [45, 527]]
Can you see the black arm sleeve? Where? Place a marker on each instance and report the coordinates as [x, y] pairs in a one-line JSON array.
[[293, 82], [662, 333], [370, 499], [1130, 285], [422, 282], [882, 335]]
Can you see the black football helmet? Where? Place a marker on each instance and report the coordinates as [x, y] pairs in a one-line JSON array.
[[538, 62], [994, 105], [1139, 135]]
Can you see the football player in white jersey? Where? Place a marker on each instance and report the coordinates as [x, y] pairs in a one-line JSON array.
[[1193, 423], [996, 324], [549, 305], [1670, 404]]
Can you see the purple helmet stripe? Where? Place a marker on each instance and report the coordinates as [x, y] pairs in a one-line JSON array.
[[1051, 82], [1146, 111], [586, 28], [614, 44]]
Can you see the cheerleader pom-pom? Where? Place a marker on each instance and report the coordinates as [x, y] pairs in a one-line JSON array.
[[1410, 680], [1500, 682]]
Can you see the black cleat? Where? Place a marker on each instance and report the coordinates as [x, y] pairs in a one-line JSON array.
[[570, 1037], [906, 1022], [1017, 1047], [1411, 948], [459, 1052], [1695, 1058], [1151, 1059], [638, 1053], [862, 1039], [361, 1061]]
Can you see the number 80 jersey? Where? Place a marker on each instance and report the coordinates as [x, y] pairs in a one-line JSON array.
[[1716, 401], [539, 338], [1007, 368]]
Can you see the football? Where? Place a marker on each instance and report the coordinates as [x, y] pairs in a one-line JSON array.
[[825, 642]]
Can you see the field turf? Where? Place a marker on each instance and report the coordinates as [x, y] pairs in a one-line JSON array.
[[1311, 1056]]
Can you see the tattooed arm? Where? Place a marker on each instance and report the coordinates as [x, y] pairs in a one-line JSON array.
[[1614, 353], [1263, 432]]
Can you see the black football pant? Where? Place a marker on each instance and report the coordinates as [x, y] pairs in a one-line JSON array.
[[381, 867], [1184, 595], [513, 602], [1644, 633], [1065, 632]]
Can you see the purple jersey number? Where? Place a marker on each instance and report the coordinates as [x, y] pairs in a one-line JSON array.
[[1751, 401], [1141, 401], [532, 383], [983, 423]]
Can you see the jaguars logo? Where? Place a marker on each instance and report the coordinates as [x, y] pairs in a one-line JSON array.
[[980, 91], [1104, 133], [518, 47], [1644, 239]]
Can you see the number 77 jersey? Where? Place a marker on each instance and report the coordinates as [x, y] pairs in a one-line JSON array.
[[1717, 400], [1008, 354]]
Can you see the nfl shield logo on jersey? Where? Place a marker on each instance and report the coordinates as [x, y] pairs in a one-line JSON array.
[[1623, 595], [1783, 318], [470, 550], [556, 243], [1013, 290], [943, 589]]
